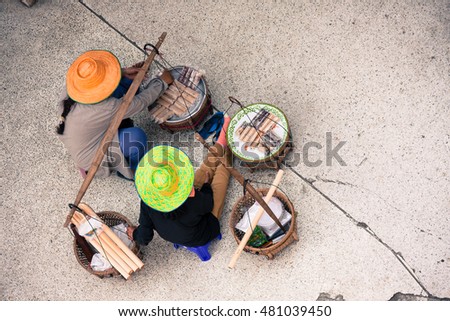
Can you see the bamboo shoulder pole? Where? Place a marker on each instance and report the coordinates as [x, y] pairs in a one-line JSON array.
[[112, 129], [238, 176], [255, 221]]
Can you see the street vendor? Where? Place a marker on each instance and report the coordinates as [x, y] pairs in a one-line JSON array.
[[96, 84], [182, 207]]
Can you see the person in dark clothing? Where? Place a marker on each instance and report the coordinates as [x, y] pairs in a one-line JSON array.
[[181, 207], [192, 224]]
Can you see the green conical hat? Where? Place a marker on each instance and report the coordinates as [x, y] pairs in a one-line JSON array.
[[164, 178]]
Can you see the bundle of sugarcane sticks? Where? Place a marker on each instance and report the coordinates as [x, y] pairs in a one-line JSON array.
[[178, 99], [106, 242], [258, 131]]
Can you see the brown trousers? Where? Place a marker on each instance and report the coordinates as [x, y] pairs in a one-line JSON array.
[[218, 176]]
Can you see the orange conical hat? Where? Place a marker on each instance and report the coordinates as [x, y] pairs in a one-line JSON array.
[[93, 76]]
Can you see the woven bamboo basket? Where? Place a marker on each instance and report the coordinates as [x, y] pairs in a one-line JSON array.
[[244, 203], [110, 219]]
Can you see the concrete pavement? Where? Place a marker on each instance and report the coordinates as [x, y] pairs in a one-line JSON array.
[[372, 75]]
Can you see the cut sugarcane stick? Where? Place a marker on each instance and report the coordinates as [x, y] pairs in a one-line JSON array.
[[165, 116], [256, 140], [267, 122], [185, 89], [188, 76], [191, 78], [255, 221], [176, 106], [249, 134], [113, 236], [155, 109], [253, 136], [164, 103], [157, 112], [197, 78], [111, 260], [162, 115], [111, 253], [161, 111], [273, 120], [165, 99], [183, 73], [245, 132], [178, 110], [107, 240], [175, 94], [172, 95]]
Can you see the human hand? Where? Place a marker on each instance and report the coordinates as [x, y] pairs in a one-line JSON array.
[[130, 230], [130, 72], [166, 76]]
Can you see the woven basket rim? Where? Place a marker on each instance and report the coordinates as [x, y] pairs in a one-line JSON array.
[[256, 250]]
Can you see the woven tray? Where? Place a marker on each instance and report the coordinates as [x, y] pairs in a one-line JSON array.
[[110, 219], [243, 204]]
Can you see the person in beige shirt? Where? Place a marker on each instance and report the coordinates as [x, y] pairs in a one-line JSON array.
[[95, 83]]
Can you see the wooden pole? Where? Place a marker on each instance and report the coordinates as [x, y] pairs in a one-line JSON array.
[[255, 221], [112, 129], [238, 176]]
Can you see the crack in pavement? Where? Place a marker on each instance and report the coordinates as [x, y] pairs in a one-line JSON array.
[[356, 186], [332, 181], [111, 26], [365, 227], [312, 181]]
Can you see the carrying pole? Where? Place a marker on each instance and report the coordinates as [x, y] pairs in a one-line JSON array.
[[113, 127]]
